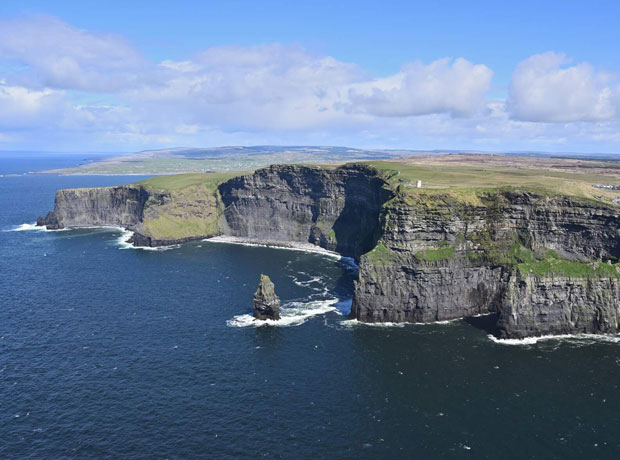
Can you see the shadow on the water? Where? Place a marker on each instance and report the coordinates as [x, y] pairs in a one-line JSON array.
[[487, 323], [343, 288]]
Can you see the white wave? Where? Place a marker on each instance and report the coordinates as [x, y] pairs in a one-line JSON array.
[[33, 228], [291, 246], [483, 314], [291, 314], [355, 322], [308, 283], [612, 338], [123, 242], [123, 239]]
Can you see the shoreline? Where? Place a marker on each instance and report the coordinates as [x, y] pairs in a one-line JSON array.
[[291, 246]]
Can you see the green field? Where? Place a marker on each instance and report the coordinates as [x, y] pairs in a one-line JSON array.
[[465, 182], [180, 181]]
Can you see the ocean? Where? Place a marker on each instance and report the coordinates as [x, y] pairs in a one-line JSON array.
[[109, 352]]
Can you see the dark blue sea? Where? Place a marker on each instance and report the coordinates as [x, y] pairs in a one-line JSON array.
[[115, 353]]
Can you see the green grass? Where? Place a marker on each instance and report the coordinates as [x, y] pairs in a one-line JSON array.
[[171, 227], [433, 255], [551, 264], [179, 181], [469, 183], [548, 263], [381, 255]]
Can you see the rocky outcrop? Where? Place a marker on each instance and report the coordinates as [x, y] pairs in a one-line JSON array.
[[266, 302]]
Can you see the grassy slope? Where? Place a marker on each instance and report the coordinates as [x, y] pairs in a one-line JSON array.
[[190, 208]]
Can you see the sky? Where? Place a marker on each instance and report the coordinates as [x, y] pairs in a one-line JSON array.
[[477, 75]]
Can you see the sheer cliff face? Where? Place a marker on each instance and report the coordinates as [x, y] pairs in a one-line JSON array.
[[87, 207], [337, 209], [559, 305], [573, 227], [439, 261]]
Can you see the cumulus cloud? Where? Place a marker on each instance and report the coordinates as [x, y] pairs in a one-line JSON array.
[[253, 87], [457, 87], [21, 107], [287, 87], [58, 55], [544, 88]]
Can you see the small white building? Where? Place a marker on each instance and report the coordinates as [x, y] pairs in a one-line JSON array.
[[418, 184]]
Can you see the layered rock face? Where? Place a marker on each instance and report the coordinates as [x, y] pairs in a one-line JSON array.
[[337, 209], [87, 207], [559, 305], [573, 227], [438, 260], [266, 302], [424, 292]]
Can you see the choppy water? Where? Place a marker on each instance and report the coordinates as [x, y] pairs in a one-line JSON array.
[[121, 353]]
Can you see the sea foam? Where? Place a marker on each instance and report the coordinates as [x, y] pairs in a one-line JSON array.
[[291, 314], [579, 338], [33, 228], [123, 242]]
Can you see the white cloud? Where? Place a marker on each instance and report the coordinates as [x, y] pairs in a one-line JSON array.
[[456, 87], [22, 108], [289, 88], [59, 55], [545, 89], [269, 86]]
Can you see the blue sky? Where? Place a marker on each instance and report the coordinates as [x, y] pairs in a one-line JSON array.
[[123, 76]]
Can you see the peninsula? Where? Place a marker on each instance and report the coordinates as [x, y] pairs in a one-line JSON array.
[[535, 242]]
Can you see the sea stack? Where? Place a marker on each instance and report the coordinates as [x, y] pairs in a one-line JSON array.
[[266, 302]]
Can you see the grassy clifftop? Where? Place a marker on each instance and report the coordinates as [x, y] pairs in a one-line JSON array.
[[465, 177]]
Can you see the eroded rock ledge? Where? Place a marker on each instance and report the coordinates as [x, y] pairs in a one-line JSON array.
[[543, 264]]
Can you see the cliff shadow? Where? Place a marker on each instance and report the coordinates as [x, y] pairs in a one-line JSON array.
[[486, 323], [357, 229]]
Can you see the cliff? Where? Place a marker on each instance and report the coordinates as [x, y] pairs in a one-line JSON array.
[[337, 209], [543, 262], [157, 216], [442, 257], [86, 207]]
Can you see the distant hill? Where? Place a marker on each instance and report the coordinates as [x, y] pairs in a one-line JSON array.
[[240, 158]]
